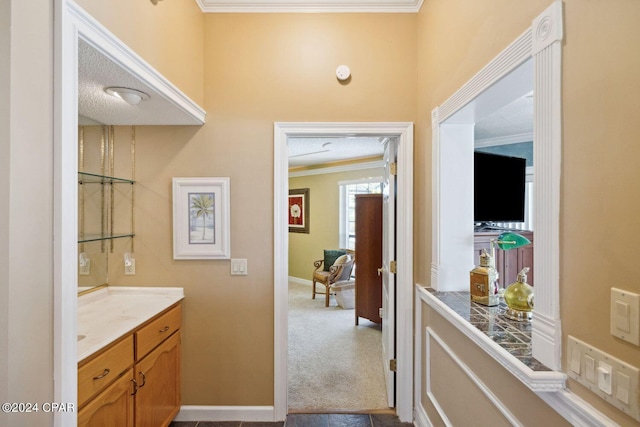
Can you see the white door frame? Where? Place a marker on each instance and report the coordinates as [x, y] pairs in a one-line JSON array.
[[404, 254]]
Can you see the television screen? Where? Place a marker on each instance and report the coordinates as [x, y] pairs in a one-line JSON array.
[[499, 183]]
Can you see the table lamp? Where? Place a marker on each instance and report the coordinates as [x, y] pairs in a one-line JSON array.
[[519, 295]]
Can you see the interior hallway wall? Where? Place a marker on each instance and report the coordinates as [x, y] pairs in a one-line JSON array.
[[259, 69], [600, 200], [26, 206]]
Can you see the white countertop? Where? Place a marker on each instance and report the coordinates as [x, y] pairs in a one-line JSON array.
[[108, 314]]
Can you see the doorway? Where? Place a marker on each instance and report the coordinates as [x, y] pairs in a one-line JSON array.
[[404, 276], [335, 363]]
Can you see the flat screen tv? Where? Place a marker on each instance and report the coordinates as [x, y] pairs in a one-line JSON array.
[[499, 183]]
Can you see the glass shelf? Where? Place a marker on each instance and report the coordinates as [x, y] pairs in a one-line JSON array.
[[98, 237], [91, 178]]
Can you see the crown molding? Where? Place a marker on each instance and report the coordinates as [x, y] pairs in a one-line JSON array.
[[310, 6]]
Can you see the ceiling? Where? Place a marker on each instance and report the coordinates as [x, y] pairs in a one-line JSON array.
[[510, 124], [315, 151], [96, 72]]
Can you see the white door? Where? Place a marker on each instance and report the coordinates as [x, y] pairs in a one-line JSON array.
[[389, 278]]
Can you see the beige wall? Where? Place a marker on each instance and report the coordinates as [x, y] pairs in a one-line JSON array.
[[258, 69], [26, 269], [168, 36], [600, 174], [454, 389], [323, 217]]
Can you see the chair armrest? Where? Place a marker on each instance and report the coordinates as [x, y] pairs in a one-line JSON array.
[[334, 271], [317, 264]]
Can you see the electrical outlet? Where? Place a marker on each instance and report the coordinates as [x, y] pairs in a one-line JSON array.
[[130, 267], [84, 269]]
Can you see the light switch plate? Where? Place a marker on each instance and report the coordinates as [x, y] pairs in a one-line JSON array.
[[613, 380], [625, 315], [239, 267]]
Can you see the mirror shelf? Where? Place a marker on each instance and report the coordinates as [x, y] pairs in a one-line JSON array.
[[91, 178], [96, 238]]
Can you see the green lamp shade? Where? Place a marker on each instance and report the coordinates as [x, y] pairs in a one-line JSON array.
[[510, 240]]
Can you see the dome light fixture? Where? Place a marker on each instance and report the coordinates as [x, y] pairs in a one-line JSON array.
[[131, 96]]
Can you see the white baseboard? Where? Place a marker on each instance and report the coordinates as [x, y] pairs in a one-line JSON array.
[[300, 281], [226, 413], [420, 418]]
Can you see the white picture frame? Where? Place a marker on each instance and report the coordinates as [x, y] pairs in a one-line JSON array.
[[201, 218]]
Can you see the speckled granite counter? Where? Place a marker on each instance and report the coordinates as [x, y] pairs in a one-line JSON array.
[[515, 337], [506, 341], [107, 314]]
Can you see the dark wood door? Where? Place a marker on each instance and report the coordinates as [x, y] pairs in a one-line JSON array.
[[368, 257]]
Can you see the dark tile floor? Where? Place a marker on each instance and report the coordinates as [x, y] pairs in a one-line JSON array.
[[309, 420]]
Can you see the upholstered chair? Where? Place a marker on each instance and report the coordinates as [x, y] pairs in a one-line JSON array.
[[339, 270]]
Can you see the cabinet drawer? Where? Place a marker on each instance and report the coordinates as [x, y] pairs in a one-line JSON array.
[[149, 336], [112, 407], [100, 371]]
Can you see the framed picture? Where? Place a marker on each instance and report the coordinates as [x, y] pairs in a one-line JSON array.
[[201, 218], [299, 210]]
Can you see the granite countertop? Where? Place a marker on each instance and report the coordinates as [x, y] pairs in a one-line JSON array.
[[513, 336], [506, 341], [110, 313]]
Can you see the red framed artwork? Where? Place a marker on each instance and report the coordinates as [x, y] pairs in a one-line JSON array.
[[299, 210]]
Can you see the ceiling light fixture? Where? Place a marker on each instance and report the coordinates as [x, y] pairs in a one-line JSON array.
[[131, 96]]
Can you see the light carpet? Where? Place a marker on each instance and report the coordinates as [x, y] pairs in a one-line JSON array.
[[333, 364]]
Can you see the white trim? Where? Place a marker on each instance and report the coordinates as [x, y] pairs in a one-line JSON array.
[[338, 169], [404, 334], [225, 413], [542, 42], [65, 199], [430, 333], [547, 130], [576, 410], [504, 140], [300, 281], [298, 6], [100, 38], [420, 417]]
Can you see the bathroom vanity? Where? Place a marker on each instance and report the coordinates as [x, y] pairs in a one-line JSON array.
[[129, 356]]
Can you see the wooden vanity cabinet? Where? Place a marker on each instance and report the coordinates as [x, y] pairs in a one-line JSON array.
[[158, 371], [113, 407], [157, 401], [141, 386]]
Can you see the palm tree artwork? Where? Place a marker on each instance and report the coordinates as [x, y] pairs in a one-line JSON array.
[[201, 218]]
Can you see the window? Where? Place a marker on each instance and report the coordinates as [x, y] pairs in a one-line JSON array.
[[348, 191]]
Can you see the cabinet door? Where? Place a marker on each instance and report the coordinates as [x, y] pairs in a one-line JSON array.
[[158, 376], [112, 407]]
